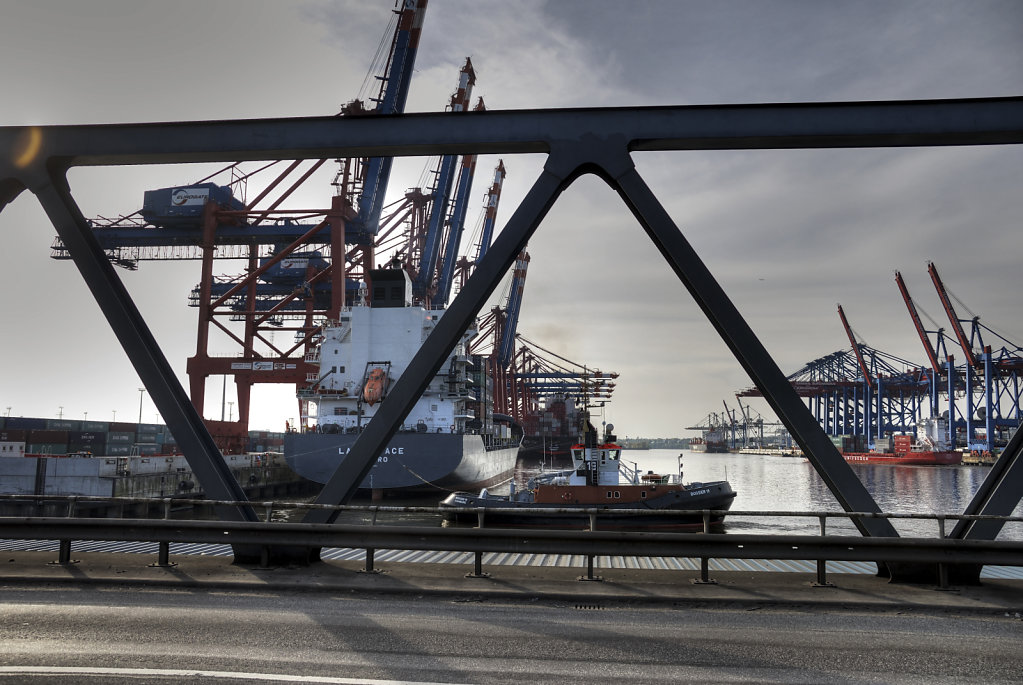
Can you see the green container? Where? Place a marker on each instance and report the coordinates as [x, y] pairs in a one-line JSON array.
[[56, 449]]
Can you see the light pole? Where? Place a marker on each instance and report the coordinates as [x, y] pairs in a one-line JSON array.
[[230, 411], [60, 412], [142, 392]]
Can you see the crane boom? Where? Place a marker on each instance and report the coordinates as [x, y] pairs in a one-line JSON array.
[[490, 219], [950, 311], [856, 349], [514, 307], [442, 192], [456, 224], [400, 65], [932, 356]]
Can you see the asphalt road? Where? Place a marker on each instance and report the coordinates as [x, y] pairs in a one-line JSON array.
[[53, 634]]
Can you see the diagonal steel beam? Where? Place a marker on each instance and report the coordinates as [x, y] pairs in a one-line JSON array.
[[142, 349], [750, 352], [611, 161], [998, 495], [438, 345]]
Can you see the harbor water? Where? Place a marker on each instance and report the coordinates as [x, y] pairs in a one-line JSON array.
[[764, 483], [777, 483]]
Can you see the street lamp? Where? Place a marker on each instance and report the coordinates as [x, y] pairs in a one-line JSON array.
[[230, 411], [142, 392]]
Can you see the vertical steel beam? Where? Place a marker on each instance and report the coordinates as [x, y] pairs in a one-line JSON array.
[[142, 349]]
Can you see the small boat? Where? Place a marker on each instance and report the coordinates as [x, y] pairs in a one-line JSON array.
[[622, 497]]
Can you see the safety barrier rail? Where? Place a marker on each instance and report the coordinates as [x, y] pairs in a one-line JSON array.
[[267, 535]]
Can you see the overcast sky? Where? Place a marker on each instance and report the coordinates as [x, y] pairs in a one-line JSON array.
[[788, 234]]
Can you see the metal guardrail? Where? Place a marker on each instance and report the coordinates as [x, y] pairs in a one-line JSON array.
[[266, 535]]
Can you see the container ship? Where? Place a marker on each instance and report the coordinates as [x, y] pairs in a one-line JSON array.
[[710, 441], [451, 437], [548, 435], [929, 449]]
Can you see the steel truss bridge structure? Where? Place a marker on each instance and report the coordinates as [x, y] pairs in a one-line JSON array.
[[595, 141]]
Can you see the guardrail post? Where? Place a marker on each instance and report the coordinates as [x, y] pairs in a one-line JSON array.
[[369, 561], [822, 564], [64, 555], [163, 557], [163, 551], [942, 568], [477, 567], [705, 578], [589, 570]]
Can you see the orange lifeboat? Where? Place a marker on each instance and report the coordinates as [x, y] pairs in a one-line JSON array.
[[373, 391]]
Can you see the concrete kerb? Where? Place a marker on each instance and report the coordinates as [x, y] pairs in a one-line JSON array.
[[632, 587]]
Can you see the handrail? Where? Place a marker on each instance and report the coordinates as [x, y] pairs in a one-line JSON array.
[[266, 536], [593, 542], [270, 506]]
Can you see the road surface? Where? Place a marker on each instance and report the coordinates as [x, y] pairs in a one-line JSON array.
[[54, 634]]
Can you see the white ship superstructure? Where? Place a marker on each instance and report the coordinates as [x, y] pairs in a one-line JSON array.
[[449, 438]]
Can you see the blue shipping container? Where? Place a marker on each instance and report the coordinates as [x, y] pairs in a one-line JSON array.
[[25, 423]]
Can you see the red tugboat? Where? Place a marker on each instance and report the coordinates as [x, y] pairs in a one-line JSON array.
[[930, 450], [599, 480]]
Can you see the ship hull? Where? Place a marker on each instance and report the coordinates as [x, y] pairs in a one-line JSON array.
[[946, 458], [535, 451], [677, 509], [411, 461]]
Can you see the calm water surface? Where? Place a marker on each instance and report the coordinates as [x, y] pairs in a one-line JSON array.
[[773, 483]]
